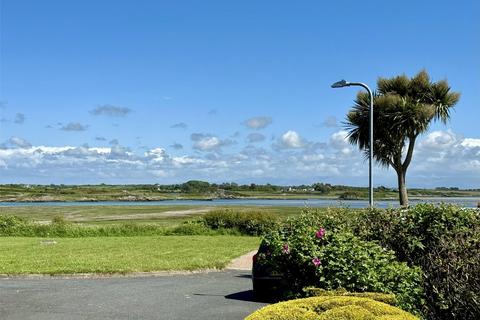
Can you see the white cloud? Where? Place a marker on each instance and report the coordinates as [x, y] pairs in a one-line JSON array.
[[471, 143], [292, 140], [157, 155], [19, 142], [119, 152], [439, 140], [313, 157], [258, 122], [207, 142], [182, 161], [339, 139]]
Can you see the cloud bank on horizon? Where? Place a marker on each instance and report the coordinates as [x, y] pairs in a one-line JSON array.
[[290, 159]]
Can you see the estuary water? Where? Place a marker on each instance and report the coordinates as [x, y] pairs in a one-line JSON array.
[[468, 202]]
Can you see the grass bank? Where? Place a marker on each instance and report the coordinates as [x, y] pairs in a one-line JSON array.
[[216, 222], [19, 255], [166, 216]]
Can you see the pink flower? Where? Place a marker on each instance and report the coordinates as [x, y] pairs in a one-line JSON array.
[[320, 233], [316, 262], [286, 248]]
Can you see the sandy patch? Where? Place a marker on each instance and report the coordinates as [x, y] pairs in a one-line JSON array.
[[144, 216]]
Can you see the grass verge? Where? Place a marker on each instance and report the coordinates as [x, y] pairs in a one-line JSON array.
[[19, 255]]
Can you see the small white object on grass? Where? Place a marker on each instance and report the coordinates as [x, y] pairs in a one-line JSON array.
[[48, 241]]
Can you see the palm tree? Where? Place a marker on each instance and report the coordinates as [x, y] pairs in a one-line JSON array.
[[403, 109]]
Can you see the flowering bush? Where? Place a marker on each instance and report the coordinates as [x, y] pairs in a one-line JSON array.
[[307, 254]]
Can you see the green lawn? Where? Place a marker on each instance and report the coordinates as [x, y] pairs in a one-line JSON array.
[[20, 255]]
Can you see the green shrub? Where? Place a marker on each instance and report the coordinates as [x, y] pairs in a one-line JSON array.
[[411, 232], [331, 308], [350, 195], [308, 255], [246, 222], [71, 230], [192, 228], [335, 219], [452, 269], [14, 226], [444, 241], [11, 225], [59, 220]]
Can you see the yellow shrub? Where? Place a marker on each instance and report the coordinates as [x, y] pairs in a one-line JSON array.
[[387, 298], [331, 308]]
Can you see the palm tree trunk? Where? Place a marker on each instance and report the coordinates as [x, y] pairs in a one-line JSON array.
[[402, 188], [401, 169]]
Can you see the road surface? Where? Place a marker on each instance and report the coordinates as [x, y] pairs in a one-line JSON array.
[[212, 295]]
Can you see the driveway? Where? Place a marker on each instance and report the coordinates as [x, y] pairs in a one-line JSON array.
[[212, 295]]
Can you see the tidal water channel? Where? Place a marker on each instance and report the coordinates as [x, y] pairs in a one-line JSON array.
[[467, 202]]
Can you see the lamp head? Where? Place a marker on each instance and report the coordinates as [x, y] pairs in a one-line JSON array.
[[340, 84]]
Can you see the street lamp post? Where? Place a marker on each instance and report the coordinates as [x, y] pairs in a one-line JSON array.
[[341, 84]]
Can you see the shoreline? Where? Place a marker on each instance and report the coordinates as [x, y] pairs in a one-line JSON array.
[[293, 198]]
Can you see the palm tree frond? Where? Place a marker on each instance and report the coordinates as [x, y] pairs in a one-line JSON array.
[[403, 108]]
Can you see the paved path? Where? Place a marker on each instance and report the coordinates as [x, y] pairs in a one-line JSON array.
[[243, 263], [211, 295]]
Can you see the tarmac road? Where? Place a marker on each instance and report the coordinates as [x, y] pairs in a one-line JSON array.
[[212, 295]]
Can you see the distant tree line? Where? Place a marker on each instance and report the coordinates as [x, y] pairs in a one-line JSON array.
[[204, 187]]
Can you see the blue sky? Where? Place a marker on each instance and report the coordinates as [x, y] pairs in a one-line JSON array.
[[167, 91]]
